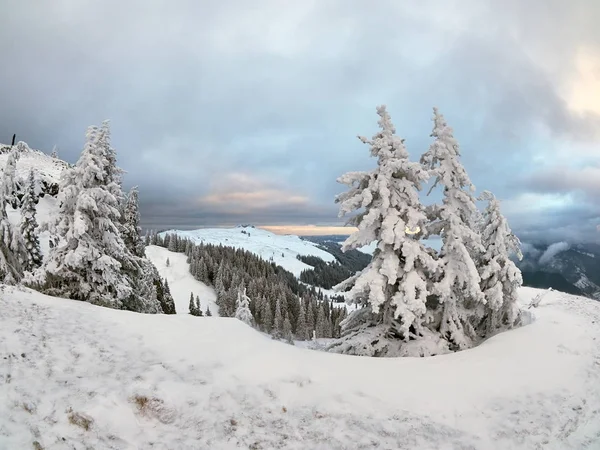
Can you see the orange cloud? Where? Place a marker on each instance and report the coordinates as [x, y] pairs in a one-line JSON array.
[[241, 193], [308, 230]]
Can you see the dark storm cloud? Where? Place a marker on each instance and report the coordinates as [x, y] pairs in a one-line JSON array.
[[278, 90]]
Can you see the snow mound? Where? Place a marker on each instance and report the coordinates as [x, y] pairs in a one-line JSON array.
[[45, 167], [281, 249], [74, 375]]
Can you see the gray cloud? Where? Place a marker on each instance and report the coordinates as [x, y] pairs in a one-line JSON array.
[[198, 91], [552, 251]]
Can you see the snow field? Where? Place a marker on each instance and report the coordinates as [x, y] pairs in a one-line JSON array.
[[181, 281], [73, 375], [283, 250]]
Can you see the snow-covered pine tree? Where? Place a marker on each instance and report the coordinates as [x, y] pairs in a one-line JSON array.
[[208, 313], [90, 261], [322, 323], [278, 320], [458, 287], [33, 257], [267, 316], [132, 232], [394, 286], [12, 247], [193, 306], [242, 311], [500, 277], [302, 333], [287, 330], [199, 306]]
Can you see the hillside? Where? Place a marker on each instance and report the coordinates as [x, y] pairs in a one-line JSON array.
[[181, 281], [281, 249], [80, 376], [575, 269]]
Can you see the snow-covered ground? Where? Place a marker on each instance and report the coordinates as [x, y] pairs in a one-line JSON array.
[[77, 376], [45, 167], [181, 281], [281, 249]]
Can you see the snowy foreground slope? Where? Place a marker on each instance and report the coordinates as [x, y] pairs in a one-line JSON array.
[[181, 281], [281, 249], [76, 376]]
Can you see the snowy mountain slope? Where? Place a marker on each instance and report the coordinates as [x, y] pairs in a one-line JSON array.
[[281, 249], [79, 376], [45, 167], [181, 281]]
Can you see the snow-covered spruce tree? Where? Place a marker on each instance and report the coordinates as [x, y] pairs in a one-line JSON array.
[[90, 261], [278, 320], [242, 311], [457, 288], [392, 290], [302, 333], [193, 306], [12, 248], [199, 306], [29, 224], [500, 277], [132, 232]]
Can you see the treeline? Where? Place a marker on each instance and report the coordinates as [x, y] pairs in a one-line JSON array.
[[351, 259], [280, 305], [323, 274]]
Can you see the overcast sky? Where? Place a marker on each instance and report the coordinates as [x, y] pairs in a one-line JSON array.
[[237, 111]]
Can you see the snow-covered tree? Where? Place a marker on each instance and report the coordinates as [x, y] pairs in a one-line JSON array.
[[12, 247], [208, 313], [458, 287], [242, 311], [168, 262], [500, 277], [90, 261], [132, 232], [194, 311], [302, 333], [287, 330], [33, 257], [394, 286], [267, 317], [278, 320]]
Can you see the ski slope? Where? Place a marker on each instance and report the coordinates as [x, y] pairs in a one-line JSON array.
[[77, 376], [281, 249], [181, 281]]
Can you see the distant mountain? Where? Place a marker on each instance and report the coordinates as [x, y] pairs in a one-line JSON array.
[[574, 269], [280, 249]]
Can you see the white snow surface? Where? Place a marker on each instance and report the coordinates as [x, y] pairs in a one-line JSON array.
[[181, 281], [44, 166], [215, 383], [282, 249]]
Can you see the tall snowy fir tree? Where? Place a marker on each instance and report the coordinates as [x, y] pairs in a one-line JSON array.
[[132, 232], [455, 220], [500, 277], [242, 311], [90, 261], [12, 248], [393, 288], [33, 258]]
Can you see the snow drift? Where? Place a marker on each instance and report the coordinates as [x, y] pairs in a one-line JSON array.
[[74, 375]]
